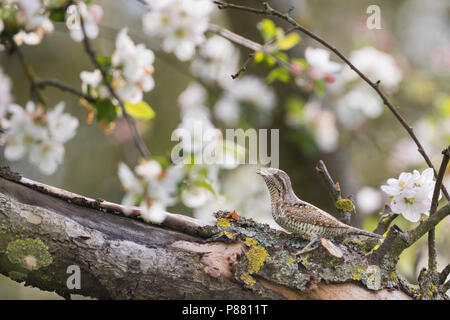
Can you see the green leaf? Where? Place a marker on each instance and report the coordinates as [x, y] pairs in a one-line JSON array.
[[289, 41], [280, 74], [206, 185], [320, 88], [140, 110], [268, 29], [106, 110]]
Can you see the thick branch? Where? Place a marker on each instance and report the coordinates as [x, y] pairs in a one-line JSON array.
[[124, 258]]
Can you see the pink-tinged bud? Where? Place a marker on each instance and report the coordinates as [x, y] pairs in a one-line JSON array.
[[97, 12], [329, 78], [296, 69]]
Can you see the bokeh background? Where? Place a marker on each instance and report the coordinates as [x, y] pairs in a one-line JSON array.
[[416, 33]]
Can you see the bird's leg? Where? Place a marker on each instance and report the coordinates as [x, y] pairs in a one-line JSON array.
[[309, 247]]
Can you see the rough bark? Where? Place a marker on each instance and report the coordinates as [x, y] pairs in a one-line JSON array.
[[124, 258]]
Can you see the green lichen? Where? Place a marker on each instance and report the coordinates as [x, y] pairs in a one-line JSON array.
[[344, 204], [230, 235], [31, 254], [247, 278], [7, 173], [17, 276], [222, 222], [256, 257]]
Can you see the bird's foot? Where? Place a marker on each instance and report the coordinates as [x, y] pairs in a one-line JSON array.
[[309, 247]]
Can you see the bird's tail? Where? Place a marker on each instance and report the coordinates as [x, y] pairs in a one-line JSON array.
[[366, 233]]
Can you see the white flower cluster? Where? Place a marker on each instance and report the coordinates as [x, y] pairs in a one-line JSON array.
[[411, 193], [31, 18], [131, 71], [218, 58], [40, 134], [181, 24], [359, 101], [320, 67], [91, 18], [249, 91], [151, 187]]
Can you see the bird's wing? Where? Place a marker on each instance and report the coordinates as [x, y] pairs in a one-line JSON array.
[[307, 213]]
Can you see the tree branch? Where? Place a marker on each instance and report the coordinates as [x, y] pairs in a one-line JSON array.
[[385, 221], [64, 87], [432, 265]]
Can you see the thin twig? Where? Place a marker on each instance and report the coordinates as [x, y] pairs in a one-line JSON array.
[[131, 122], [244, 66], [29, 72], [432, 264], [64, 87], [444, 274], [335, 192], [269, 11]]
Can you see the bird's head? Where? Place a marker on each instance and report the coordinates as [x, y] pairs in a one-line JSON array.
[[278, 183]]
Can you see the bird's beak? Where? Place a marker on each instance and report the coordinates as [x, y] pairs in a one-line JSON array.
[[261, 172]]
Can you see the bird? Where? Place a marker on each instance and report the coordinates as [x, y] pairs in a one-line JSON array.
[[301, 217]]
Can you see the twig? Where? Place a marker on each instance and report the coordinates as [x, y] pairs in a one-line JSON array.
[[29, 72], [446, 286], [244, 66], [444, 274], [131, 123], [64, 87], [246, 43], [335, 192], [269, 11], [385, 220], [432, 265]]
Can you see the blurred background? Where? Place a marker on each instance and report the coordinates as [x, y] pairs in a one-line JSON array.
[[345, 125]]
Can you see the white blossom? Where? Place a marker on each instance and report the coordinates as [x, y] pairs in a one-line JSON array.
[[180, 24], [132, 70], [218, 59], [376, 65], [359, 103], [31, 18], [154, 212], [244, 92], [91, 18], [411, 193], [40, 134], [320, 65], [149, 169], [195, 196]]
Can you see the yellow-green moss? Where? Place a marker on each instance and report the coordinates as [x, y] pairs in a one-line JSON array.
[[394, 276], [222, 222], [256, 256], [247, 278], [31, 254], [344, 204], [229, 235]]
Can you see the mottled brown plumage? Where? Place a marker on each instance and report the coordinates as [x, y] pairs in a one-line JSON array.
[[301, 217]]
